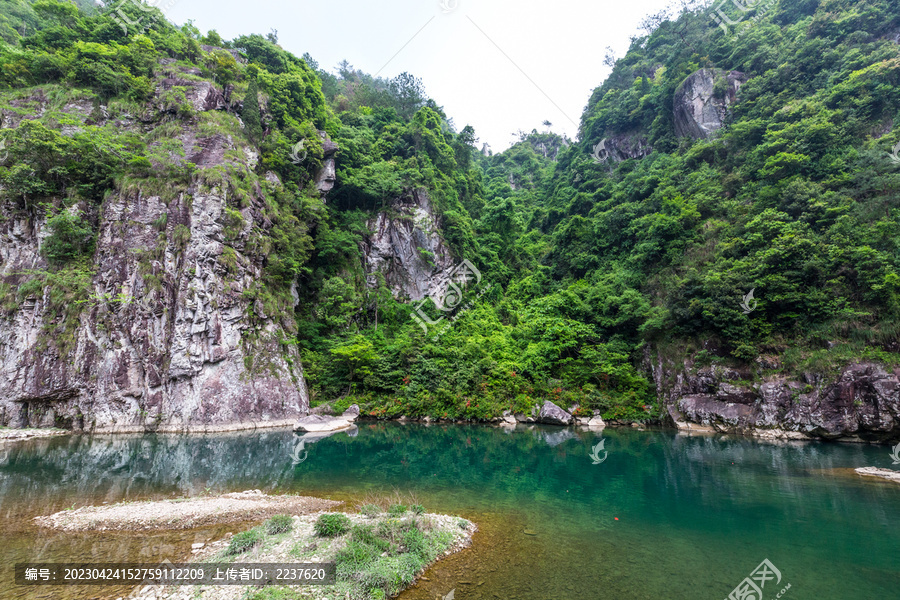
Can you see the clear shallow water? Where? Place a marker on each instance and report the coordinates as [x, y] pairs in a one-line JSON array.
[[695, 514]]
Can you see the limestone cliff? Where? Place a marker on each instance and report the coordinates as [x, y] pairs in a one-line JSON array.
[[406, 246], [701, 101], [860, 403], [167, 330]]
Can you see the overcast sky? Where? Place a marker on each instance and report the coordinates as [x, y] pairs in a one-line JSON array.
[[498, 65]]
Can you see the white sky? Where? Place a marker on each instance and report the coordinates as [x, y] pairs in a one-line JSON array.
[[498, 65]]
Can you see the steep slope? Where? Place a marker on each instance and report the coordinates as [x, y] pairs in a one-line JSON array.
[[149, 273], [719, 246]]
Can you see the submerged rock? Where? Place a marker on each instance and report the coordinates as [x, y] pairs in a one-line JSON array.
[[883, 473]]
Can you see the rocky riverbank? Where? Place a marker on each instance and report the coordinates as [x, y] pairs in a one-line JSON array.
[[857, 403], [377, 553], [182, 513], [15, 435]]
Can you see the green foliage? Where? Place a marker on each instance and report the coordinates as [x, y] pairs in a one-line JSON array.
[[243, 541], [250, 110], [382, 559], [332, 525], [70, 238], [586, 266], [279, 524]]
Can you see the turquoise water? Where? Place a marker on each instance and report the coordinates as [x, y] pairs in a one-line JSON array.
[[695, 514]]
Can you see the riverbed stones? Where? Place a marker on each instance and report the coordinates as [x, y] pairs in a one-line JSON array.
[[553, 415]]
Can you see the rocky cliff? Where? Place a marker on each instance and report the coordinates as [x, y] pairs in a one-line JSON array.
[[701, 101], [860, 403], [406, 246], [166, 329]]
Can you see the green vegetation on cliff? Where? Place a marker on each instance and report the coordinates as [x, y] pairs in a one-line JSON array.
[[594, 265]]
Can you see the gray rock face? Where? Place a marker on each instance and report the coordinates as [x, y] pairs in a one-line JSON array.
[[352, 412], [554, 415], [862, 403], [326, 176], [699, 112], [164, 335], [623, 146], [877, 472], [407, 248], [322, 423]]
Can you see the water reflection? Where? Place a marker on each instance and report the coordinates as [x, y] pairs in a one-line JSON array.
[[707, 508]]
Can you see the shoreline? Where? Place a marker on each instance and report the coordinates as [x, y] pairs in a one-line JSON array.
[[29, 433], [181, 513], [9, 435]]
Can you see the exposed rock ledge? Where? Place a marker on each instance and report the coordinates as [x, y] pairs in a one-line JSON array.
[[182, 514], [15, 435], [860, 404], [322, 423], [883, 473]]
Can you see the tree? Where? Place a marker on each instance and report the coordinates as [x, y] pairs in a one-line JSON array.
[[409, 94], [357, 355], [70, 237]]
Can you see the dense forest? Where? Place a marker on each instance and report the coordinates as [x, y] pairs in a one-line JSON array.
[[595, 260]]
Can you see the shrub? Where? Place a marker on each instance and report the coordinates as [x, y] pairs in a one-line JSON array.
[[244, 541], [70, 237], [279, 524], [414, 541], [332, 525], [417, 509], [365, 534], [370, 510], [395, 510], [181, 236]]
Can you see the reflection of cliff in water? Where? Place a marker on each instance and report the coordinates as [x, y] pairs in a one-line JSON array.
[[412, 455]]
